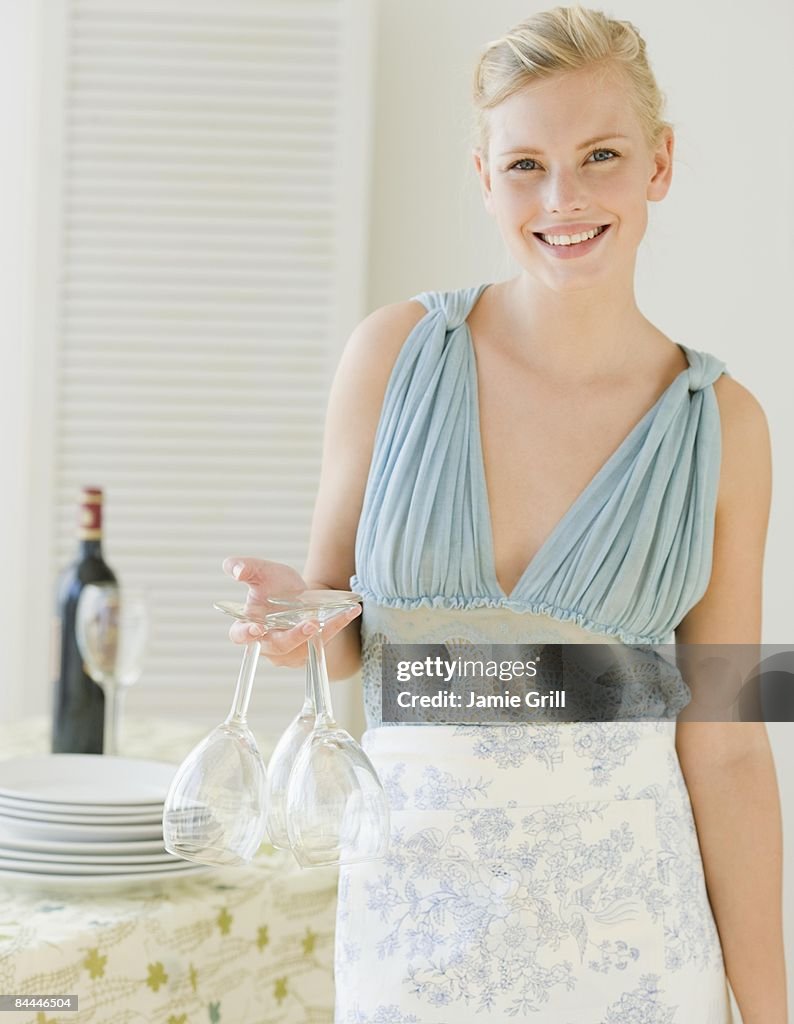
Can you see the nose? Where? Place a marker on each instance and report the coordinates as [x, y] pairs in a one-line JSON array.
[[565, 192]]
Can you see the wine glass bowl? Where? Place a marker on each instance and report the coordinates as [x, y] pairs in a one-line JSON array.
[[336, 809], [279, 768], [97, 627], [112, 625], [216, 814]]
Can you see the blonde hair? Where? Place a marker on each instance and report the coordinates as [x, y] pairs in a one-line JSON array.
[[566, 39]]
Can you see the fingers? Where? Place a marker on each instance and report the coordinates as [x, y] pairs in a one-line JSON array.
[[242, 633], [338, 622], [263, 577], [247, 570], [274, 642], [278, 644]]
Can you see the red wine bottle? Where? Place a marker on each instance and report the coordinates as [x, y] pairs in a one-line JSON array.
[[78, 724]]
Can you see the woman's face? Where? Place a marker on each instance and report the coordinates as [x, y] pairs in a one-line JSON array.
[[567, 157]]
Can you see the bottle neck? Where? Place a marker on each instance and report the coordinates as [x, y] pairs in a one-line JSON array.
[[91, 548]]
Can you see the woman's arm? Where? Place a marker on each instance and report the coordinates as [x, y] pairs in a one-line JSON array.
[[728, 765], [351, 422], [352, 416]]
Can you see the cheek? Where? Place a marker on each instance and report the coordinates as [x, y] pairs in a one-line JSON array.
[[513, 197], [625, 195], [623, 187]]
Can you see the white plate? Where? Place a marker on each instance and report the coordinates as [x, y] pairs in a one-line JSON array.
[[81, 858], [57, 847], [43, 868], [57, 883], [29, 813], [18, 828], [86, 779], [19, 805]]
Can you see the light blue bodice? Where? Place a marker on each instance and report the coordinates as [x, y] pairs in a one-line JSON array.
[[628, 559]]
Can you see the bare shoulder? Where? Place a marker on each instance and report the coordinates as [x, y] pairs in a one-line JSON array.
[[363, 373], [377, 340], [738, 405], [746, 447], [396, 316], [369, 357]]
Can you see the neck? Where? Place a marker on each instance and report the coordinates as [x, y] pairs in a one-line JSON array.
[[583, 335]]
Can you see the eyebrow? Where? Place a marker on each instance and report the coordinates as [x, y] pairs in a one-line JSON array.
[[582, 145]]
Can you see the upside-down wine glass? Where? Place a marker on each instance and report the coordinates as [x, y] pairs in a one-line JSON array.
[[326, 802], [216, 806]]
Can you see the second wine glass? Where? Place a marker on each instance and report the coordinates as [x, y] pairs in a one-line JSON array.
[[326, 802], [335, 807], [112, 625]]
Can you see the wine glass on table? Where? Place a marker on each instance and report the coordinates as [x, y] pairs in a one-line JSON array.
[[112, 627], [326, 802]]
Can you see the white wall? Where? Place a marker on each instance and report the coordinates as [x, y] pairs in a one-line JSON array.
[[717, 264]]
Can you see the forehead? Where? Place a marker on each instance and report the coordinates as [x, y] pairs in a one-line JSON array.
[[564, 108]]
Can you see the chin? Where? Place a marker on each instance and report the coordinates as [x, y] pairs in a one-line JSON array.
[[569, 281]]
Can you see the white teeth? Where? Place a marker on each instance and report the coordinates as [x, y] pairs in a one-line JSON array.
[[571, 239]]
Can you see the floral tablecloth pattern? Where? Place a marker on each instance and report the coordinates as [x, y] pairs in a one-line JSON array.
[[252, 945]]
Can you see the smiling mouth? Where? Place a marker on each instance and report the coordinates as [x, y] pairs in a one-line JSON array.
[[570, 240]]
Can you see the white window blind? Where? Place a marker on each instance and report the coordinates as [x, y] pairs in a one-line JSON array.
[[210, 241]]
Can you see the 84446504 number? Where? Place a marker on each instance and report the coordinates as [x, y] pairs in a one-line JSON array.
[[19, 1002]]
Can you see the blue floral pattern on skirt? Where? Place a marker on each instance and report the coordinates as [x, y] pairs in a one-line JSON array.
[[538, 905]]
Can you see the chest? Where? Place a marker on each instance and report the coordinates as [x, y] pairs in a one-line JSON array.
[[541, 448]]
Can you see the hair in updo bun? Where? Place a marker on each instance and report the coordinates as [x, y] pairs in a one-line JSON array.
[[567, 39]]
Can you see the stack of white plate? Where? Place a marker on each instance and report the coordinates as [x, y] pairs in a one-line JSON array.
[[85, 819]]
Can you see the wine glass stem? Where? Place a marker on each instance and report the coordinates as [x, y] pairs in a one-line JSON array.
[[245, 681], [109, 735], [309, 703], [318, 676]]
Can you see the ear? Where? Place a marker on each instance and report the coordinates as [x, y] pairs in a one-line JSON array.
[[662, 176], [484, 174]]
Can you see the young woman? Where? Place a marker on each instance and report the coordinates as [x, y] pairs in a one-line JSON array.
[[533, 460]]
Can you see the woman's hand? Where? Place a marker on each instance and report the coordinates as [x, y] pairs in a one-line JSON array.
[[283, 647]]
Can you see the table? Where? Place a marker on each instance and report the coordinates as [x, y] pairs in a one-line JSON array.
[[250, 945]]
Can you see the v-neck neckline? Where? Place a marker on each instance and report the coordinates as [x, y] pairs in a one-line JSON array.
[[486, 540]]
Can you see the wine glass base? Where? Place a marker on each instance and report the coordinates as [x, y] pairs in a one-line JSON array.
[[282, 611]]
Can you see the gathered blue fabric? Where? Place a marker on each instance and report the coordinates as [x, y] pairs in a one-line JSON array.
[[629, 558]]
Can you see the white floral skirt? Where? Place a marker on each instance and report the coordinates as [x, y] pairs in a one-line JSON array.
[[544, 872]]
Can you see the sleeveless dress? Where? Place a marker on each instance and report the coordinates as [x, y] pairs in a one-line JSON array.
[[546, 872]]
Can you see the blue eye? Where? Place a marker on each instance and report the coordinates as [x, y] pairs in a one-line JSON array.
[[525, 160], [602, 156]]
